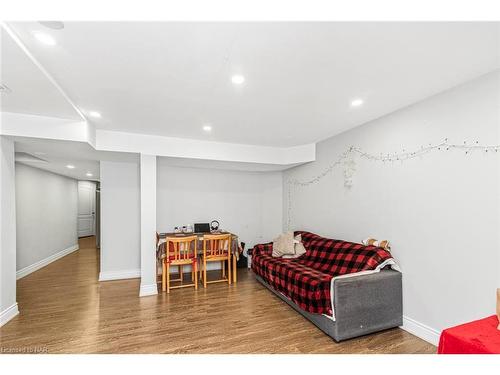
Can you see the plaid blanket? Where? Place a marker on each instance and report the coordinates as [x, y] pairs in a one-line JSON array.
[[306, 280]]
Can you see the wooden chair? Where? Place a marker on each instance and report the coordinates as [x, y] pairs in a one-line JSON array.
[[158, 260], [159, 264], [180, 251], [216, 248]]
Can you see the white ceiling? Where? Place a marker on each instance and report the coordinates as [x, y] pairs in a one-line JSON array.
[[59, 154], [170, 78], [31, 91]]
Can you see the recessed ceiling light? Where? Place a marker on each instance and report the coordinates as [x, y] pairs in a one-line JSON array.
[[95, 114], [357, 102], [88, 174], [44, 38], [207, 128], [69, 166], [237, 79]]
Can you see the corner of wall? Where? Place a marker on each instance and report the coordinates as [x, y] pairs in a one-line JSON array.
[[8, 304], [8, 314]]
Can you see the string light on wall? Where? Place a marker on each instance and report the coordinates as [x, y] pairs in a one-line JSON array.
[[346, 159]]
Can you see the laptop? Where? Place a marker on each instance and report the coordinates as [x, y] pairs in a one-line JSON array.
[[202, 228]]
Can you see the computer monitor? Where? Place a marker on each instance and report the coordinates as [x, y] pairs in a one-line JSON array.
[[202, 228]]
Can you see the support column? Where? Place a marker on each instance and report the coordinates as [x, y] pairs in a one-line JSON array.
[[8, 303], [148, 226]]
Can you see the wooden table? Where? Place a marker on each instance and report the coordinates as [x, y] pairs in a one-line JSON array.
[[234, 246]]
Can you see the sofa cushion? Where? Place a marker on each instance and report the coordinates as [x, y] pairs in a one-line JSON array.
[[306, 286], [298, 247], [337, 257], [284, 245]]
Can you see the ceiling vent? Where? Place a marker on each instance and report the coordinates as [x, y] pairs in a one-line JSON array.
[[4, 89], [24, 157]]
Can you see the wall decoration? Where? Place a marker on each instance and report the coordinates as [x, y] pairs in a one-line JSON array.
[[346, 160], [349, 169]]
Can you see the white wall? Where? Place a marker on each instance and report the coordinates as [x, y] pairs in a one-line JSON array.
[[8, 304], [248, 204], [120, 220], [47, 208], [441, 211]]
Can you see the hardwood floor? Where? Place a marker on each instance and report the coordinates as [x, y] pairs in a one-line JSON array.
[[64, 309]]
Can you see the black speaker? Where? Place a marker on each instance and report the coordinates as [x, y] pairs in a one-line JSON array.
[[243, 261]]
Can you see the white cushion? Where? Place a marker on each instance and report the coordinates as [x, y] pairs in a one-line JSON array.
[[298, 248], [284, 245]]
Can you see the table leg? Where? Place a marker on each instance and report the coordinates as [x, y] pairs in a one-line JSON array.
[[235, 278]]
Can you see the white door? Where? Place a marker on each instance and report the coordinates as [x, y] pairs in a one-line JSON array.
[[86, 208]]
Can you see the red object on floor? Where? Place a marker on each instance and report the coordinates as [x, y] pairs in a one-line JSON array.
[[478, 337]]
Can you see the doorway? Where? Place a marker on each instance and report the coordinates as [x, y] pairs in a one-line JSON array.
[[86, 208]]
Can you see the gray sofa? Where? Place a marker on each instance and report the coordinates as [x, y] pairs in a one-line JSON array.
[[363, 304]]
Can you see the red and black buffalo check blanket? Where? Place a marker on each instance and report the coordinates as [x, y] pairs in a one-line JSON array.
[[306, 280]]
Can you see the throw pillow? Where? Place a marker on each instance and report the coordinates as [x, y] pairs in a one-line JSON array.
[[283, 245], [299, 248]]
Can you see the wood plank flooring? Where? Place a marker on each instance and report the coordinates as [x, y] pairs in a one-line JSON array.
[[64, 309]]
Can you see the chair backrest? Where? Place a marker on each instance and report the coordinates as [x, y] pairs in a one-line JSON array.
[[180, 248], [216, 244]]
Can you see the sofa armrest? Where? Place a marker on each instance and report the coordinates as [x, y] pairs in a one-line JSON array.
[[264, 248], [368, 303]]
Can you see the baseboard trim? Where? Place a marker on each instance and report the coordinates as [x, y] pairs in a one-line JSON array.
[[119, 275], [148, 290], [8, 314], [421, 330], [45, 262]]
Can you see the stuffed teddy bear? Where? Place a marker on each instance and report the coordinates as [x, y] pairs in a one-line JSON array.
[[384, 244]]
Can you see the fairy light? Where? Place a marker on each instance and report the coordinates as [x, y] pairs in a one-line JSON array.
[[402, 156]]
